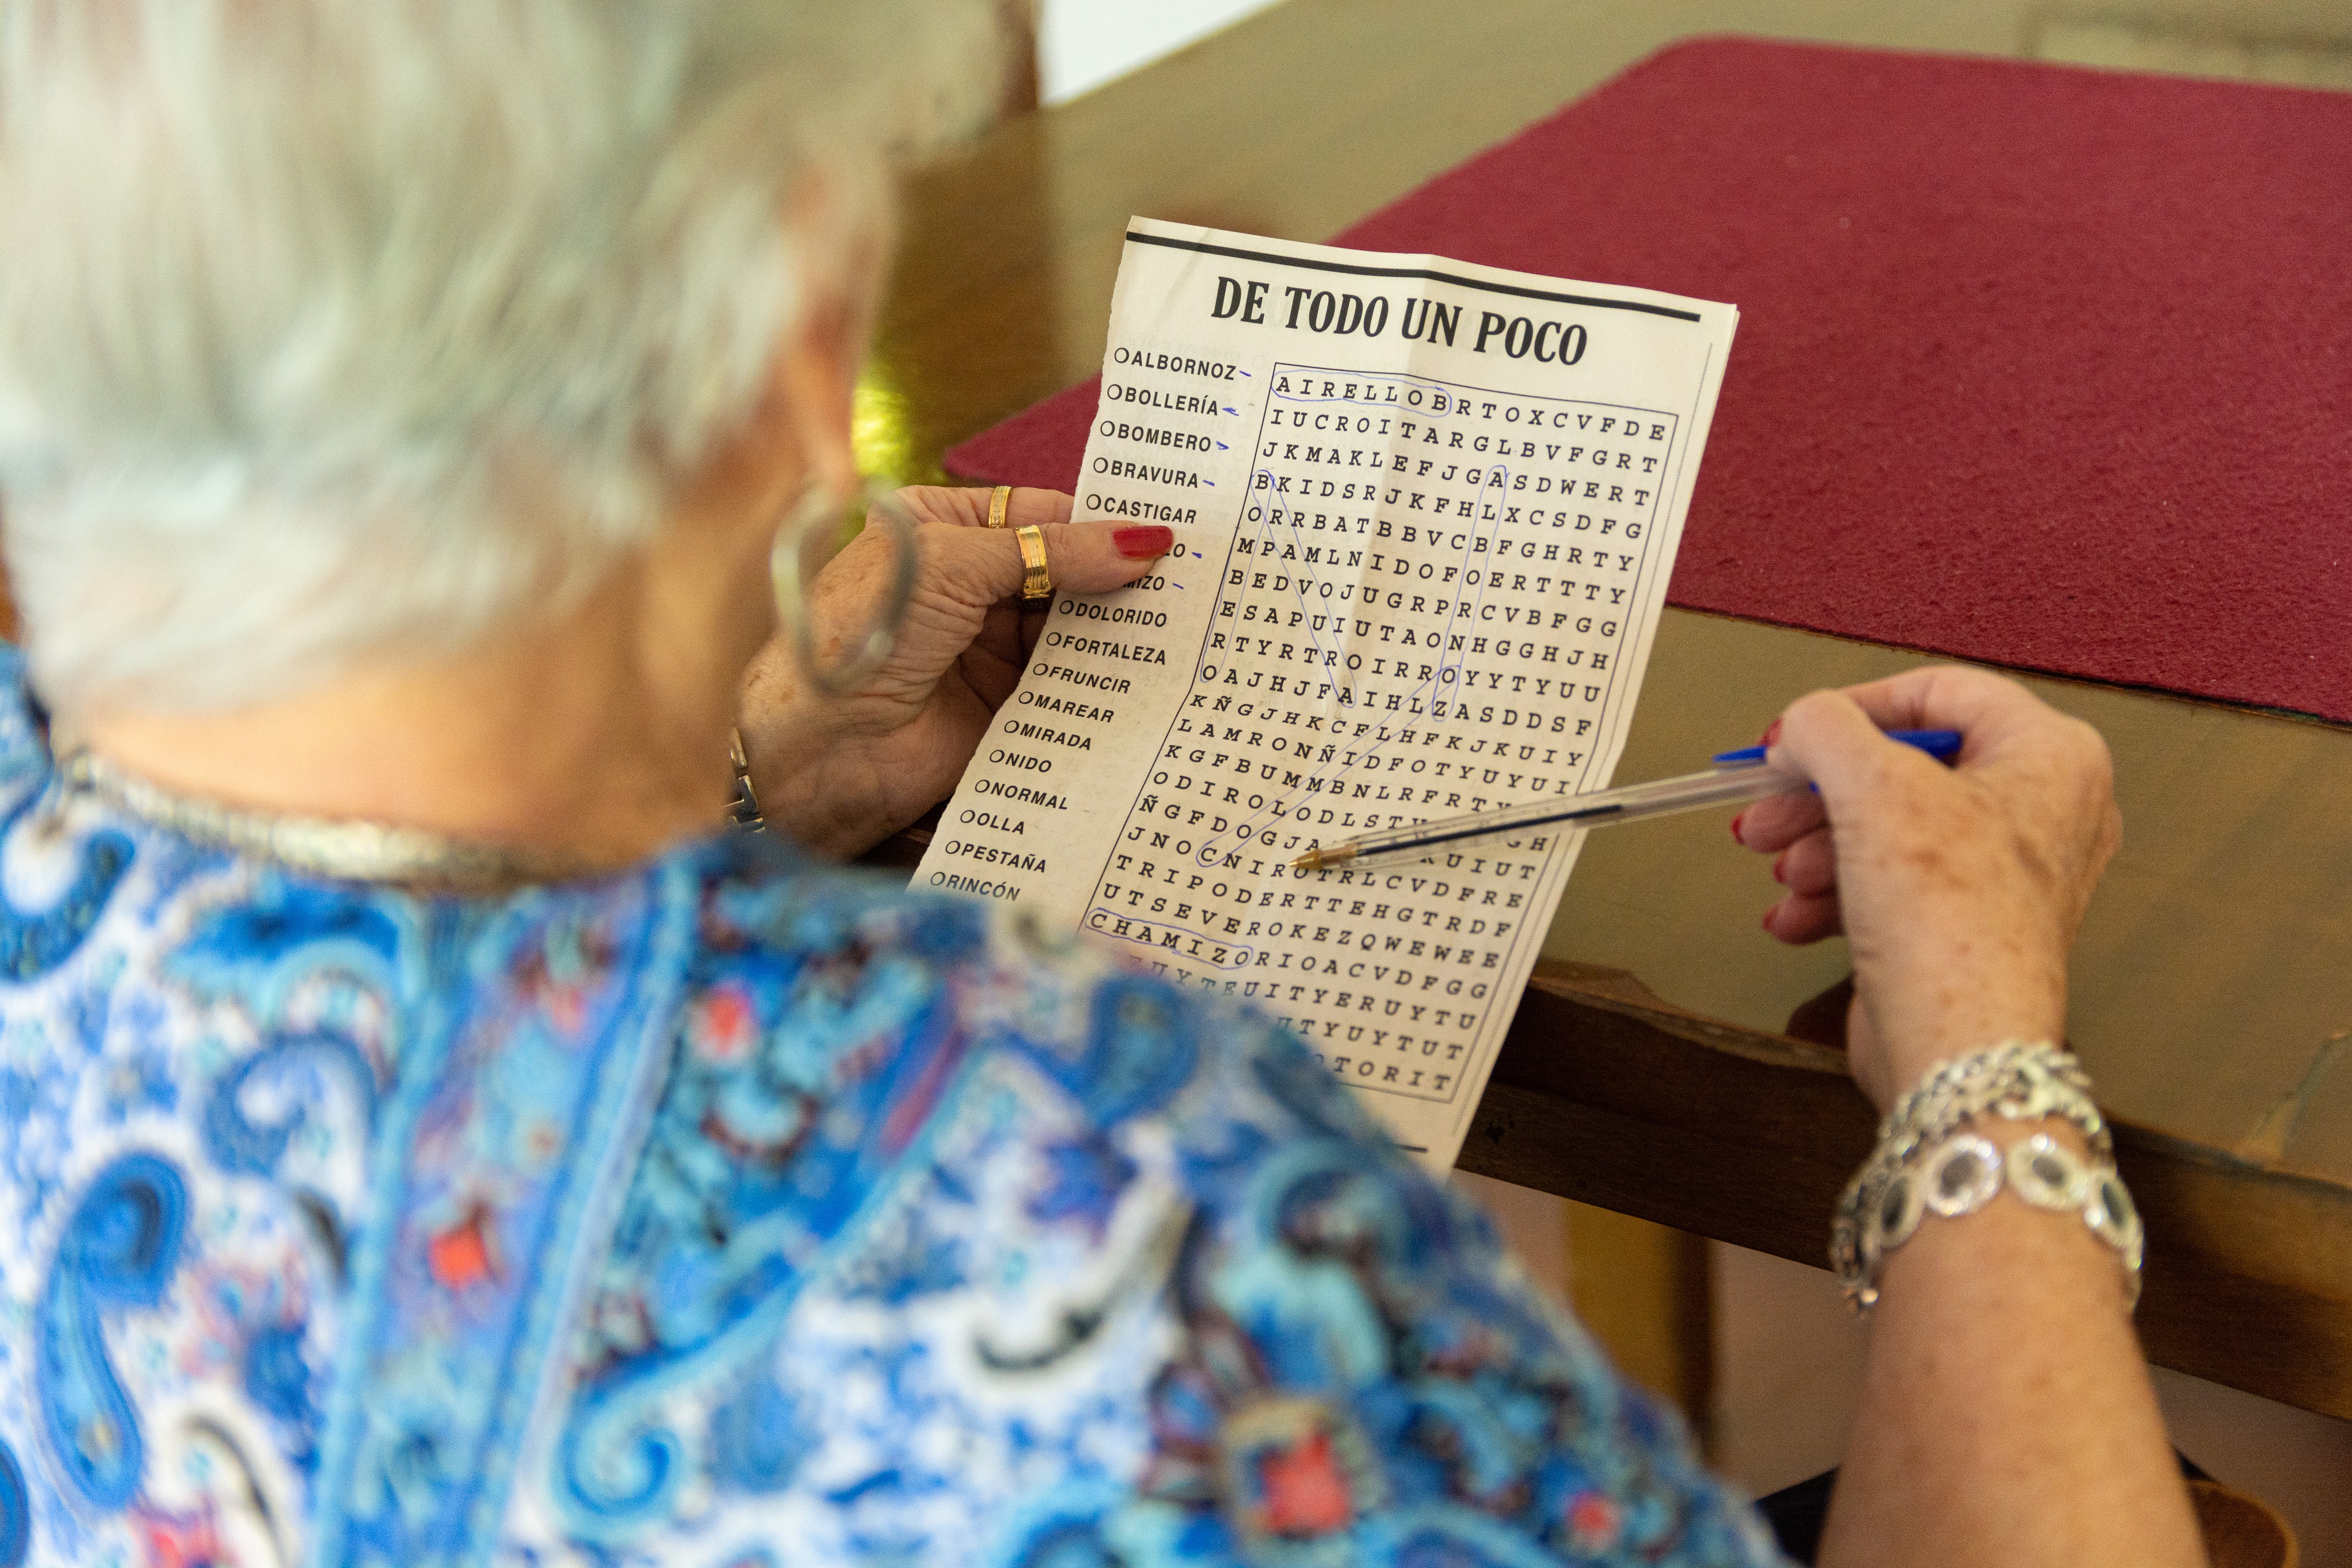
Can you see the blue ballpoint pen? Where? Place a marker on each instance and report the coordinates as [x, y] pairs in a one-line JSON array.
[[1739, 775]]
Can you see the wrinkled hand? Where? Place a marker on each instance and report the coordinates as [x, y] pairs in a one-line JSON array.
[[1959, 890], [842, 774]]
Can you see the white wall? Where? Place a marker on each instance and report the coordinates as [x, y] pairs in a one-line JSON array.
[[1082, 43]]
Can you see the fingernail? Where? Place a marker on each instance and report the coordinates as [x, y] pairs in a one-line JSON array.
[[1143, 541], [1771, 733], [1779, 864], [1735, 830], [1768, 919]]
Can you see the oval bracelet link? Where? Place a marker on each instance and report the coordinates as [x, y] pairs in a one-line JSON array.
[[1929, 1163]]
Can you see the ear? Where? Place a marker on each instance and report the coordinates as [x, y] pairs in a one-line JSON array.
[[815, 391], [798, 435], [816, 376]]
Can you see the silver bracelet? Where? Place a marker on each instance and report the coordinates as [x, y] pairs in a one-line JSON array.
[[1928, 1163]]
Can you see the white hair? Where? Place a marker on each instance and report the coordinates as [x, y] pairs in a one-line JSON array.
[[335, 327]]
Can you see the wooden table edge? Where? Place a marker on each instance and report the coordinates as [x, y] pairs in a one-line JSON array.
[[1604, 1094]]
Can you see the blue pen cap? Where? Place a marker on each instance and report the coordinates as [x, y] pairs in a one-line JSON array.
[[1943, 745]]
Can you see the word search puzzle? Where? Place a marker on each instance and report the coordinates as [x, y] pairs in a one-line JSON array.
[[1424, 516]]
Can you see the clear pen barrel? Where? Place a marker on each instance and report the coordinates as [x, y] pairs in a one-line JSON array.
[[1565, 814]]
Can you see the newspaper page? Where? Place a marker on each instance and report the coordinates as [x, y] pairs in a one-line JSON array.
[[1424, 516]]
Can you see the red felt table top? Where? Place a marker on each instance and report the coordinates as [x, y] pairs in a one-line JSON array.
[[2045, 367]]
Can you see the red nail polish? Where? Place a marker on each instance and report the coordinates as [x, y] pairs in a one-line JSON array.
[[1768, 919], [1735, 830], [1771, 733], [1143, 541], [1780, 864]]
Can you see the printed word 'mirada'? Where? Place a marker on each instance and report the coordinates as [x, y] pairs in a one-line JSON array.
[[1340, 314]]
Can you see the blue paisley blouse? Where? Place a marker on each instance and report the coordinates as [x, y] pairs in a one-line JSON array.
[[734, 1212]]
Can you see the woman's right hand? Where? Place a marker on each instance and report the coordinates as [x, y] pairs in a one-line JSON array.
[[1959, 890], [840, 775]]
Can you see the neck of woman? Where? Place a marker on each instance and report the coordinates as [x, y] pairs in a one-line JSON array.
[[593, 740]]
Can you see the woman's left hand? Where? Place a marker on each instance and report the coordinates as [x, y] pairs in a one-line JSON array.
[[842, 774]]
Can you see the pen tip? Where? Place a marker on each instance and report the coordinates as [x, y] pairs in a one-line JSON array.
[[1310, 861]]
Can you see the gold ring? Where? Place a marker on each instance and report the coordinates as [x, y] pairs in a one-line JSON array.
[[998, 500], [1036, 587]]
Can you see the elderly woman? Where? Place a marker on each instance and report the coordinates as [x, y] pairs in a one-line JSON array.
[[429, 1136]]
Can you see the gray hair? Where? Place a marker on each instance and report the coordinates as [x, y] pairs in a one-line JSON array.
[[335, 327]]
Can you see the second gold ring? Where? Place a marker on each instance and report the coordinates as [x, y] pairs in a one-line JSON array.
[[1037, 583]]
